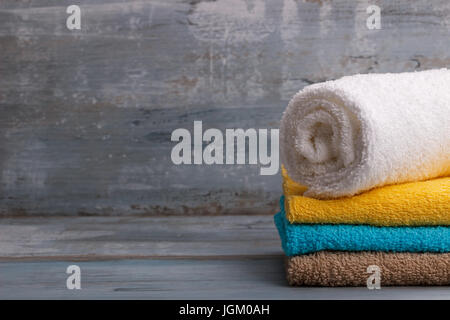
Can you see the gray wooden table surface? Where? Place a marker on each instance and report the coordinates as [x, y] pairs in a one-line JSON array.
[[232, 257]]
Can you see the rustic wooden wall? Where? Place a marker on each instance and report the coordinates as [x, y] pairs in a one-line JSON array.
[[86, 116]]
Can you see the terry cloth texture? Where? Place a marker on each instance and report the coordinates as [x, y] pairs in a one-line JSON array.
[[342, 137], [350, 269], [299, 239], [410, 204]]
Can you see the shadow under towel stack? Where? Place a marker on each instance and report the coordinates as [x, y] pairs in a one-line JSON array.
[[366, 164]]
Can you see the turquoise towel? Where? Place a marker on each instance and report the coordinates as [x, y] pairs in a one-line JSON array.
[[299, 239]]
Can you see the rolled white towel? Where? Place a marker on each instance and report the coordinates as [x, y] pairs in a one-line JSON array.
[[342, 137]]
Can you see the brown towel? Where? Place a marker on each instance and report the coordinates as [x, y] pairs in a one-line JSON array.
[[337, 269]]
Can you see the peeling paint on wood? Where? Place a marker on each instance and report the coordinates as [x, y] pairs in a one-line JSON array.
[[86, 116]]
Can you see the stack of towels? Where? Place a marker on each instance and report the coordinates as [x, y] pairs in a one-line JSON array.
[[366, 165]]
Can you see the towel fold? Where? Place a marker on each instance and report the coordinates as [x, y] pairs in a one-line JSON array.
[[306, 238], [350, 269], [342, 137], [410, 204]]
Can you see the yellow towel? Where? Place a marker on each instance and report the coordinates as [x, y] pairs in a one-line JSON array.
[[410, 204]]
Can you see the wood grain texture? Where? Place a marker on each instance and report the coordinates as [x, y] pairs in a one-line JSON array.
[[91, 238], [86, 116], [228, 257], [180, 279]]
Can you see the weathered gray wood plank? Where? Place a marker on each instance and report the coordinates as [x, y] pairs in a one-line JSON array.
[[86, 116], [91, 238], [217, 257], [175, 279]]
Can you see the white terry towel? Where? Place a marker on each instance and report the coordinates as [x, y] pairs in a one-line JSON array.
[[346, 136]]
